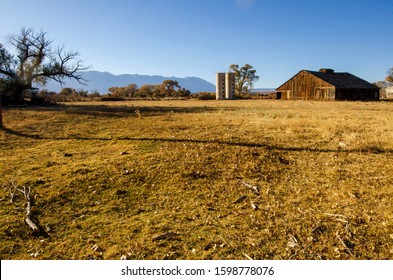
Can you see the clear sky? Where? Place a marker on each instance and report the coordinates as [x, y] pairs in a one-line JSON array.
[[201, 37]]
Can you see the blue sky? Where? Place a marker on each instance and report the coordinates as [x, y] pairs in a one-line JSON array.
[[201, 37]]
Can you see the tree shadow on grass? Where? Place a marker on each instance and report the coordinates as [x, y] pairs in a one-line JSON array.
[[370, 150], [121, 111], [21, 134], [127, 111]]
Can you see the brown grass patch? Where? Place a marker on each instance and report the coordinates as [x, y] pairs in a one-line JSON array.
[[108, 181]]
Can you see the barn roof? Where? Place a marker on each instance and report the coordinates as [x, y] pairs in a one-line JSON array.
[[342, 80]]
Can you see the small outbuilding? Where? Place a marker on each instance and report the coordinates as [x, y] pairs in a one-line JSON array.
[[326, 84], [386, 92]]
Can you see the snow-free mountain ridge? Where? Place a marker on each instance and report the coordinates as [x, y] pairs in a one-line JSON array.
[[102, 81]]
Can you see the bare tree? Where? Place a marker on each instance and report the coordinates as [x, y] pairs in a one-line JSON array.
[[389, 77], [1, 113], [5, 66], [34, 62]]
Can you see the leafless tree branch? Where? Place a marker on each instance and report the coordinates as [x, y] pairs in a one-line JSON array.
[[30, 218], [35, 61]]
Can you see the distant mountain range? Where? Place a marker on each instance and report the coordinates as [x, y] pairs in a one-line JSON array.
[[101, 81]]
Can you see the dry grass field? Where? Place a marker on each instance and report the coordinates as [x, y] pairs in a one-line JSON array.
[[199, 180]]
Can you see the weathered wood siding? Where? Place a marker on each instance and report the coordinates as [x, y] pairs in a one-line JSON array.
[[353, 94], [306, 86]]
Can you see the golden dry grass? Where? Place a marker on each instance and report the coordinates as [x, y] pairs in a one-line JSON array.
[[110, 178]]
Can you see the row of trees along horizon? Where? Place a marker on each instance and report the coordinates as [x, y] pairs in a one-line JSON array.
[[32, 60], [245, 77], [167, 89]]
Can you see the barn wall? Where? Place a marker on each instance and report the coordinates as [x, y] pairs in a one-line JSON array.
[[357, 94], [306, 86]]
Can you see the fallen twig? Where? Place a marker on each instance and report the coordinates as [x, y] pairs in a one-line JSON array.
[[338, 217], [254, 206], [345, 245], [335, 215], [292, 242], [29, 214], [251, 187], [248, 257], [30, 219], [240, 199]]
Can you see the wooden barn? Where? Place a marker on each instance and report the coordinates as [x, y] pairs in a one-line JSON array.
[[326, 84]]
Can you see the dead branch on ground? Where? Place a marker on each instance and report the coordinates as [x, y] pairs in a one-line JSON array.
[[251, 187], [30, 219]]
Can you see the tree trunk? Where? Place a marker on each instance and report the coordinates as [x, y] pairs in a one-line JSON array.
[[1, 115], [239, 87], [17, 96]]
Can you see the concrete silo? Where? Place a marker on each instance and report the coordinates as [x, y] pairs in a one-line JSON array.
[[220, 86], [225, 86], [230, 85]]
